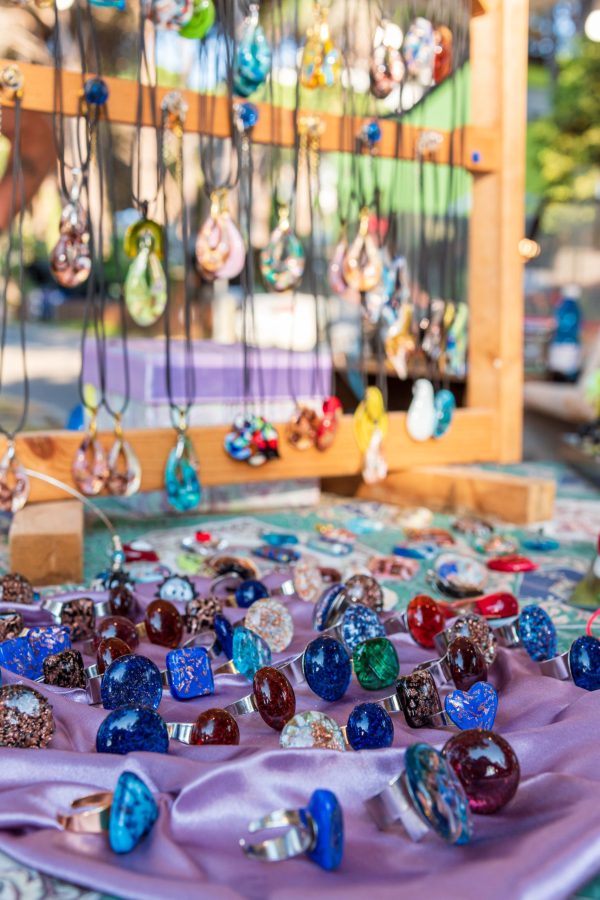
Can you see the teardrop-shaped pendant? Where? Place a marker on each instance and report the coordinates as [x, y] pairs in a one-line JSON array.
[[363, 268], [203, 18], [146, 282], [370, 414], [387, 66], [124, 469], [282, 260], [321, 61], [236, 258], [212, 243], [374, 464], [445, 405], [420, 421], [14, 483], [71, 261], [181, 475], [90, 468], [419, 51], [253, 56]]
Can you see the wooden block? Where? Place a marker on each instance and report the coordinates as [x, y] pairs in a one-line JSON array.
[[46, 542], [511, 498]]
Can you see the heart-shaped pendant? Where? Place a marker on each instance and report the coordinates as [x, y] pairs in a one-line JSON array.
[[475, 708]]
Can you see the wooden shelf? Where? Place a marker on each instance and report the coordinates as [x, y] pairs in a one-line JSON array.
[[470, 438], [475, 149]]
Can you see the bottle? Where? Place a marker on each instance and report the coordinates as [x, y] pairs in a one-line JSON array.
[[587, 593], [564, 355]]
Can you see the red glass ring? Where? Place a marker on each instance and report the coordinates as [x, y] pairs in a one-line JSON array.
[[511, 563]]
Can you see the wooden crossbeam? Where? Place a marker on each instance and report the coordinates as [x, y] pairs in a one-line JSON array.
[[473, 148]]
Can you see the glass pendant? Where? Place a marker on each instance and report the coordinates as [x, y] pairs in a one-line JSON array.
[[321, 61], [203, 18], [253, 56], [421, 418], [282, 260], [302, 429], [442, 61], [370, 428], [387, 66], [181, 473], [90, 468], [432, 340], [335, 272], [362, 268], [332, 413], [455, 357], [419, 51], [124, 469], [171, 14], [71, 261], [236, 258], [253, 440], [399, 341], [146, 282], [14, 483], [212, 243], [445, 405]]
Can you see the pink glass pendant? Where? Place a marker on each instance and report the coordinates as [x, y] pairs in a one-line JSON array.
[[336, 275], [387, 66], [71, 261], [237, 250], [362, 268], [124, 469], [90, 468], [212, 244], [14, 483]]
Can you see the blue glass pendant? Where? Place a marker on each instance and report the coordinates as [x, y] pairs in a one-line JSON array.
[[132, 728], [437, 794], [132, 815], [253, 56], [475, 708], [181, 475], [444, 404], [327, 819]]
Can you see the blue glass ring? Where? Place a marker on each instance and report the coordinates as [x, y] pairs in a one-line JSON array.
[[132, 728], [580, 664], [131, 681]]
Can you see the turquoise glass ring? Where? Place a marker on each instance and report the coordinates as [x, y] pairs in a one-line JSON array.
[[438, 795]]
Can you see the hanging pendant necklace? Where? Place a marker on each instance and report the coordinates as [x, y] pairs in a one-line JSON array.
[[386, 69], [14, 483], [321, 64], [253, 56]]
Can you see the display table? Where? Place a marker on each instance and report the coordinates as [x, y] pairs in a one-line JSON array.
[[543, 843]]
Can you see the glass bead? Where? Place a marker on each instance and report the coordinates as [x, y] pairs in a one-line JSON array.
[[419, 698], [487, 767], [274, 697], [467, 663], [132, 815], [130, 729], [108, 650], [26, 718], [164, 624], [215, 726], [437, 794], [79, 616], [96, 91], [131, 680], [65, 669], [584, 662], [369, 727], [200, 614], [327, 668], [424, 619], [248, 115], [372, 132], [376, 664]]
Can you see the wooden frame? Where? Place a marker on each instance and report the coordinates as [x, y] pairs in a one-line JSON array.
[[493, 149]]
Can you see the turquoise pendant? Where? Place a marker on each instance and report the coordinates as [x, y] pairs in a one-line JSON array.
[[181, 475], [253, 56], [445, 404]]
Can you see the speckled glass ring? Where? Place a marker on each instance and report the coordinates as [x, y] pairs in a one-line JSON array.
[[213, 726], [25, 655], [132, 728], [417, 698], [78, 613], [15, 588], [272, 621], [464, 664], [532, 629], [458, 576], [131, 681], [11, 624], [358, 623], [128, 814], [580, 664], [65, 669], [26, 718], [366, 590], [324, 665], [316, 831], [399, 567], [426, 796], [474, 627], [307, 580]]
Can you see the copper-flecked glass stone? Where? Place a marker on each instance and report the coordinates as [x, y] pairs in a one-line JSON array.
[[467, 663], [366, 590], [121, 601], [117, 627], [419, 698], [11, 624], [80, 616], [15, 588], [215, 726], [25, 717], [478, 630], [274, 697], [200, 614], [109, 650], [64, 669], [487, 767], [425, 619], [164, 625]]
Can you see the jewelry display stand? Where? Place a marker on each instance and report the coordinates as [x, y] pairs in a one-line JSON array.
[[492, 148]]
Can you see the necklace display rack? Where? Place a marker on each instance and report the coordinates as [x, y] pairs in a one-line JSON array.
[[488, 428]]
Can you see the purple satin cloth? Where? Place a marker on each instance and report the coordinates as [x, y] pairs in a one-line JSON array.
[[544, 844]]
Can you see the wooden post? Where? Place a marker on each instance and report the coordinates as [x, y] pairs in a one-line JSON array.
[[499, 98]]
